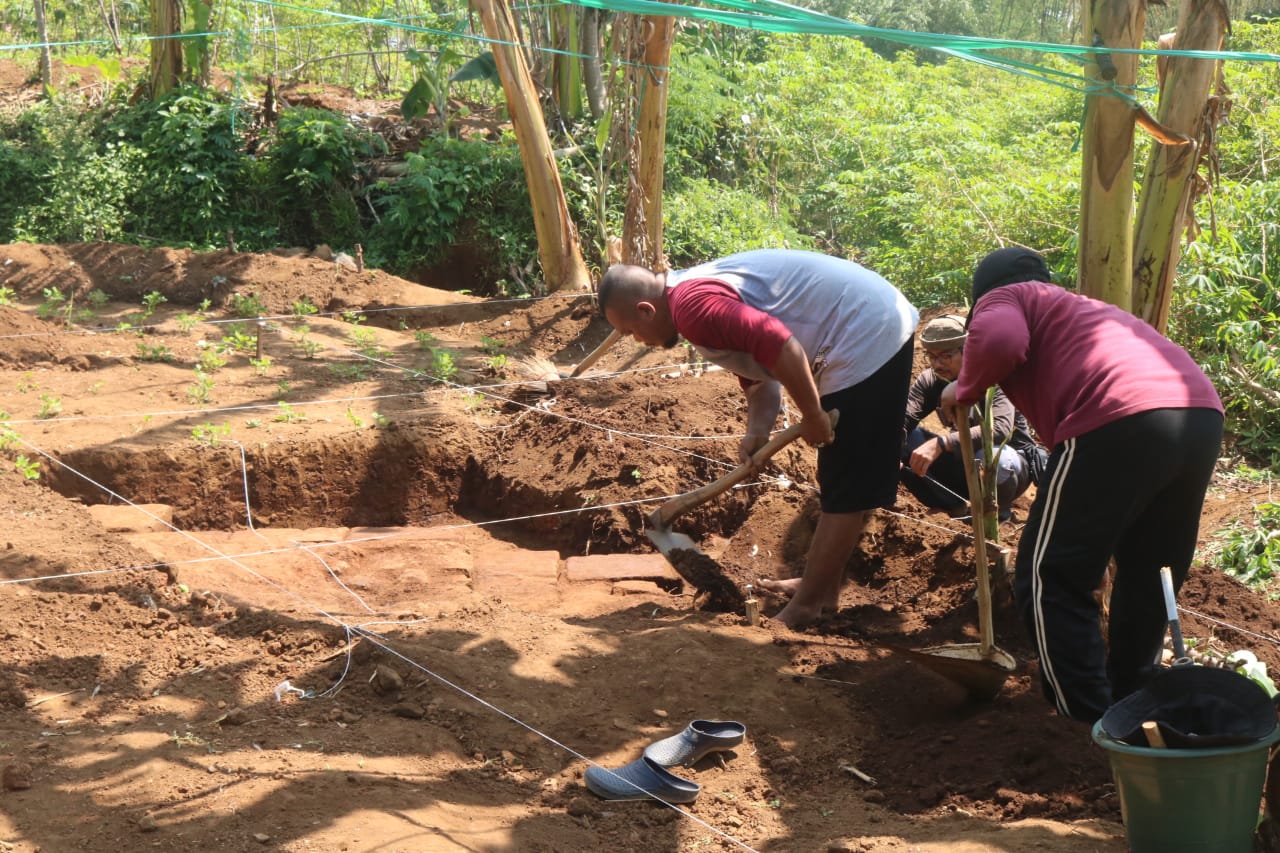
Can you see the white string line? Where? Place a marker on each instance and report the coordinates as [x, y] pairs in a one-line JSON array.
[[1215, 621], [557, 743], [81, 331], [376, 640], [248, 513]]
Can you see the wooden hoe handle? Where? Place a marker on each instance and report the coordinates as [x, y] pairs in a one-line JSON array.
[[662, 516], [594, 355]]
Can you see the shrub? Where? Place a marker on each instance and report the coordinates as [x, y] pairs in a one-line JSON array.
[[454, 192], [312, 167], [705, 220]]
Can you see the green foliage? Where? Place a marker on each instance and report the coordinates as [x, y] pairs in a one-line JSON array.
[[443, 367], [209, 434], [50, 406], [287, 413], [365, 341], [308, 347], [247, 305], [454, 192], [79, 189], [351, 372], [150, 302], [201, 390], [313, 162], [704, 220], [28, 468], [52, 304], [154, 353], [195, 183], [1226, 311], [1251, 549]]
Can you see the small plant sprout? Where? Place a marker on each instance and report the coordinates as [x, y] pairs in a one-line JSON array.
[[283, 388], [304, 343], [288, 414], [50, 406], [247, 306], [354, 418], [261, 365], [53, 299], [443, 368], [151, 302], [635, 474], [473, 401], [253, 423], [154, 353], [27, 383], [187, 322], [350, 372], [6, 295], [238, 340], [212, 356], [491, 345], [497, 364], [209, 434], [28, 468], [379, 419], [96, 387], [365, 341], [97, 299], [303, 307], [204, 306], [355, 318], [424, 338], [201, 389]]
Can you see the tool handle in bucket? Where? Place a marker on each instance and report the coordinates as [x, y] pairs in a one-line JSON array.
[[663, 515], [1171, 611]]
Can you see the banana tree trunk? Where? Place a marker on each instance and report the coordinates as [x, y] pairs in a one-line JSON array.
[[566, 67], [592, 76], [166, 52], [1106, 175], [558, 247], [642, 220], [1168, 190]]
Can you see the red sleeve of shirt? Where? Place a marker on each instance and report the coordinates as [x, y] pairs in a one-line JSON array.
[[709, 313], [998, 342]]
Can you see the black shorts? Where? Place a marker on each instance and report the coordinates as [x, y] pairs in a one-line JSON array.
[[859, 470]]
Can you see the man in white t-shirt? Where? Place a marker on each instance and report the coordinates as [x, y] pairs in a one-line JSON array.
[[835, 335]]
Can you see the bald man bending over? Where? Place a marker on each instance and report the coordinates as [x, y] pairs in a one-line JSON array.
[[835, 335]]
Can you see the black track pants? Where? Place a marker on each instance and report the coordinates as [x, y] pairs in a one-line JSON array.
[[1132, 489]]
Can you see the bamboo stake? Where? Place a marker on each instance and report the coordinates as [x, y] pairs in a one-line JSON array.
[[986, 629]]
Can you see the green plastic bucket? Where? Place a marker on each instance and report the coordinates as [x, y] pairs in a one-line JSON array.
[[1189, 800]]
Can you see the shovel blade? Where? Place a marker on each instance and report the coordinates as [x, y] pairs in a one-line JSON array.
[[963, 663], [700, 571], [667, 541]]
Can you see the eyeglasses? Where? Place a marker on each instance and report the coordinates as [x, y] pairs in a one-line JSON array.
[[941, 355]]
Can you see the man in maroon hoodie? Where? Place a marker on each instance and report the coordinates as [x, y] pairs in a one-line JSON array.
[[1135, 428]]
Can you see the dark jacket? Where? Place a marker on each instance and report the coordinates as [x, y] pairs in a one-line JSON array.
[[926, 394]]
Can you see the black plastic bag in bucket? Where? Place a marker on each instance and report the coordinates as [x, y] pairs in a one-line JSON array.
[[1196, 707]]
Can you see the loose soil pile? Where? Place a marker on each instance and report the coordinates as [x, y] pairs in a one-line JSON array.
[[483, 542]]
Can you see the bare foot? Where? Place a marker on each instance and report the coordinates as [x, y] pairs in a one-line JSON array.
[[785, 588], [794, 615]]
